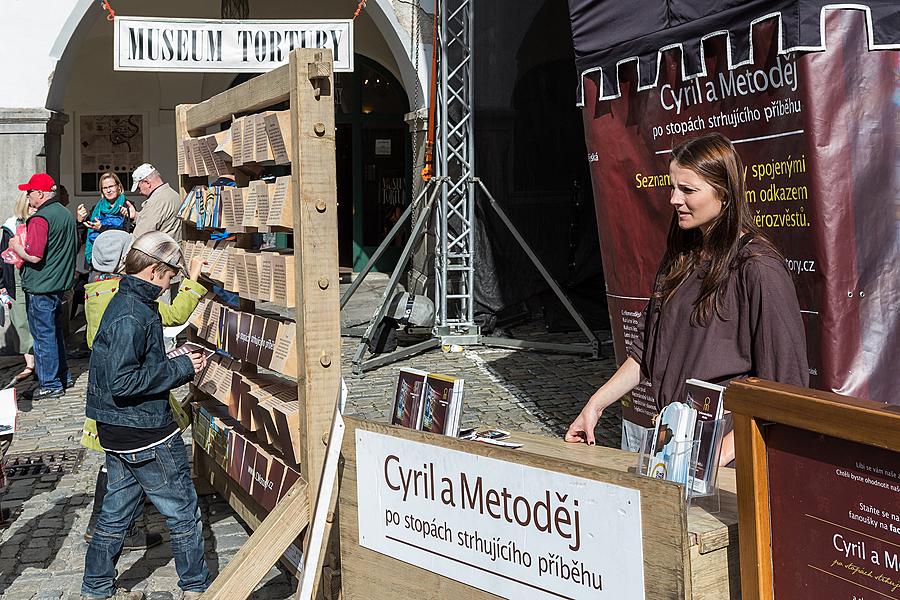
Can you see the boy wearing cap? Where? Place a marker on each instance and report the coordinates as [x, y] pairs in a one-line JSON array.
[[107, 262], [128, 395], [47, 273]]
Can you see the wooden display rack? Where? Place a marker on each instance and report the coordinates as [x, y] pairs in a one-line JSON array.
[[305, 84]]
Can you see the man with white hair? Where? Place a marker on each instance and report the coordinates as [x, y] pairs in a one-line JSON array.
[[47, 273], [159, 212]]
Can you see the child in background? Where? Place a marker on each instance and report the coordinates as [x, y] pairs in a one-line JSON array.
[[108, 258], [128, 395]]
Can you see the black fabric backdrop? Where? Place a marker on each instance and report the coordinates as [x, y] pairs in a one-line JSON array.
[[606, 33]]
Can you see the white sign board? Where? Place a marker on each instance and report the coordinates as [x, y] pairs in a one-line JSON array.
[[203, 45], [509, 529]]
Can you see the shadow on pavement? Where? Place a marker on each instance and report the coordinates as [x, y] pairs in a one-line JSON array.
[[36, 542]]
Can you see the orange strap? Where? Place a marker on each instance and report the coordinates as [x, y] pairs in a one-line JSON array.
[[104, 4], [428, 167], [360, 6]]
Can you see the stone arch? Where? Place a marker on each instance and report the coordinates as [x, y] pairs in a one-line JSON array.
[[382, 13]]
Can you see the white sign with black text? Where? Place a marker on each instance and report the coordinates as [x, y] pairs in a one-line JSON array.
[[204, 45], [509, 529]]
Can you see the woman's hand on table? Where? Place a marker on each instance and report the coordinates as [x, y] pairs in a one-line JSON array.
[[582, 428]]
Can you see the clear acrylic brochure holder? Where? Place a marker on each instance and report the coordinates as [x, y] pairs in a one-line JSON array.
[[687, 463]]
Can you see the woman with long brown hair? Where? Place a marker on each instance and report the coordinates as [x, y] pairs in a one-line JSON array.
[[723, 306]]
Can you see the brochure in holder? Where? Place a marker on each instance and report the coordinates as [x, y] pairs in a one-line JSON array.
[[669, 451]]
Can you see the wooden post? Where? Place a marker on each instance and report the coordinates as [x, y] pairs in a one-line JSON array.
[[307, 82], [316, 262], [753, 508]]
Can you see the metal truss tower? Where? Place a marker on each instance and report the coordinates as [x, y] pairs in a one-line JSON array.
[[455, 162], [452, 194]]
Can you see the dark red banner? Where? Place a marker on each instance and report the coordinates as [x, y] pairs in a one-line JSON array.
[[819, 134], [835, 516]]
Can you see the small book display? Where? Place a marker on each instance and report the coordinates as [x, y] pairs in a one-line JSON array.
[[428, 402], [259, 205], [685, 444]]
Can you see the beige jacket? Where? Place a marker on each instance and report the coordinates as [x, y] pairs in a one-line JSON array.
[[160, 213]]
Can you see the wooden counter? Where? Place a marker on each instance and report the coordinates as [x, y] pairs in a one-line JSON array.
[[712, 538], [687, 553]]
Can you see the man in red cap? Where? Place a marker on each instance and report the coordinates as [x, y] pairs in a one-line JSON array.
[[49, 254]]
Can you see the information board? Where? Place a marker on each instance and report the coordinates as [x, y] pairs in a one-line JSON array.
[[835, 514], [509, 529]]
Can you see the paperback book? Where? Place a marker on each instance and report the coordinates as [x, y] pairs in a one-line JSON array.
[[428, 402], [708, 400]]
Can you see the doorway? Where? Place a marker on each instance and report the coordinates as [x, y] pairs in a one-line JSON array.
[[374, 162]]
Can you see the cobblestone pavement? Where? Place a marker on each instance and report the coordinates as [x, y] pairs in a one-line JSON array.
[[41, 545]]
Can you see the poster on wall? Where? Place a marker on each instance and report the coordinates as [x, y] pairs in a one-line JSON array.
[[109, 143], [818, 130], [836, 507]]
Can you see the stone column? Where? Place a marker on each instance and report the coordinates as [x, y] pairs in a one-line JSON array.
[[29, 143]]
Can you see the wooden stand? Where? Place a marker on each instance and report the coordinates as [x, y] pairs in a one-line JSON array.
[[822, 463], [305, 84], [687, 552]]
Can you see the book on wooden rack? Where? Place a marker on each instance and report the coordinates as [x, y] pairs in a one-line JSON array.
[[428, 402], [190, 348]]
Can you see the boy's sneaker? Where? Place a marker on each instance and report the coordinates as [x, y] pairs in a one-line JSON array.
[[119, 595], [45, 393], [190, 595], [139, 539]]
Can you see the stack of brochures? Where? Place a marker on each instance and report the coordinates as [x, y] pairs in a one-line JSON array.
[[672, 443], [686, 441]]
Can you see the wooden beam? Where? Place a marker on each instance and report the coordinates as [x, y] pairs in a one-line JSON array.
[[240, 576], [754, 532], [873, 424], [314, 184], [251, 96]]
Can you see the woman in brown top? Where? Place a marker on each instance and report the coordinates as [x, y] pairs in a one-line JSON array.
[[724, 305]]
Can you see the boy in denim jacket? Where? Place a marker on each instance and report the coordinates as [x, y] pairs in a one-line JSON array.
[[128, 395]]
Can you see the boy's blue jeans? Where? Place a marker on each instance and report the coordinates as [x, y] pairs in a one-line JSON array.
[[162, 472], [45, 321]]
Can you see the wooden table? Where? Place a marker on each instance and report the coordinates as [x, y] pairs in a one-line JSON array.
[[701, 562]]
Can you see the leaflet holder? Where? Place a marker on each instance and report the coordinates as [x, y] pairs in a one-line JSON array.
[[689, 459]]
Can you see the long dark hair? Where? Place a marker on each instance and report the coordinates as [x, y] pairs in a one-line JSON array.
[[712, 157]]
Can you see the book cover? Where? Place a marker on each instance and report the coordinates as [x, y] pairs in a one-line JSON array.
[[8, 411], [254, 346], [408, 398], [708, 400], [189, 348], [267, 344], [436, 404], [248, 467]]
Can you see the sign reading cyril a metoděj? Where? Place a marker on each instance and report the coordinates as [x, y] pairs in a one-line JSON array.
[[509, 529]]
